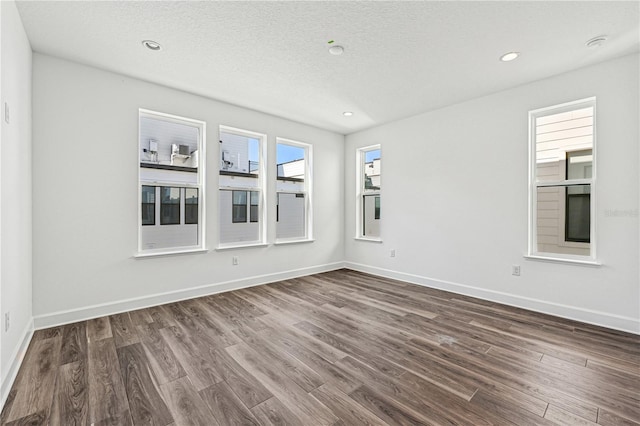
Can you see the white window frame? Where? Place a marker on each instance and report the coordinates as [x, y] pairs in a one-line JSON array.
[[361, 192], [307, 191], [202, 135], [533, 252], [261, 188]]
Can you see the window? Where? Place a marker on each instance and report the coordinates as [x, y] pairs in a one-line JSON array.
[[171, 152], [241, 191], [293, 202], [563, 181], [368, 202]]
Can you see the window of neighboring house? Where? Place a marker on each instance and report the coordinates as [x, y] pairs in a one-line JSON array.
[[191, 206], [148, 205], [563, 181], [241, 191], [368, 195], [239, 207], [170, 205], [171, 152], [293, 201]]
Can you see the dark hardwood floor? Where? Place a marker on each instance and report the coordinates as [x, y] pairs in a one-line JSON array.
[[339, 348]]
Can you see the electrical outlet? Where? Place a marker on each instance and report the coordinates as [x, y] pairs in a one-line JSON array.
[[234, 260], [7, 321], [393, 252], [515, 270]]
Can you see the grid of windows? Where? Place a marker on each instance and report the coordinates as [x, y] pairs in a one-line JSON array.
[[171, 184], [562, 180]]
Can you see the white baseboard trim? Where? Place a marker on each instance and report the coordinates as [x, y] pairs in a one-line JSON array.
[[15, 362], [95, 311], [603, 319]]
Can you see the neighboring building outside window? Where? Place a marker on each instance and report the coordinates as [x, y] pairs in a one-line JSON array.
[[368, 202], [293, 185], [241, 191], [563, 181], [171, 151]]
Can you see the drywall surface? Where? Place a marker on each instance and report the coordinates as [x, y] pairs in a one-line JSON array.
[[85, 185], [455, 199], [15, 192]]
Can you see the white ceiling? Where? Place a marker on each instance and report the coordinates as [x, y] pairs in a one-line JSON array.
[[400, 59]]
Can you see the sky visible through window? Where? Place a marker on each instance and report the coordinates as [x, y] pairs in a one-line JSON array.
[[286, 153], [369, 156]]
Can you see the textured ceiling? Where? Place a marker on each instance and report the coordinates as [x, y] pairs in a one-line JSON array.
[[400, 59]]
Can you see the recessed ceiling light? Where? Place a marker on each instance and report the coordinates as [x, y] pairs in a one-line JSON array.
[[347, 113], [509, 56], [152, 45], [336, 50], [596, 41]]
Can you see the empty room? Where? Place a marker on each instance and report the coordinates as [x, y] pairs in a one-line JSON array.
[[320, 213]]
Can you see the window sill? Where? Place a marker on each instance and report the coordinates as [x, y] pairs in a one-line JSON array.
[[539, 258], [371, 240], [285, 242], [238, 246], [147, 254]]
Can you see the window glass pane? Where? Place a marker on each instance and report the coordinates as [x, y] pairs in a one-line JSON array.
[[291, 220], [564, 219], [148, 205], [234, 226], [377, 213], [169, 206], [370, 223], [191, 206], [371, 169], [558, 135]]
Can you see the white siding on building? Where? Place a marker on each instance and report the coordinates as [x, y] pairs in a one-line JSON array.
[[234, 153], [292, 169], [235, 232], [291, 216], [165, 134], [371, 224], [169, 236]]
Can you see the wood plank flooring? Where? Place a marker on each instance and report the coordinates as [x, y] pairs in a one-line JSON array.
[[338, 348]]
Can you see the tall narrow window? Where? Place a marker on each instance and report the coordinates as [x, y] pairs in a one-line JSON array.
[[171, 152], [368, 203], [293, 201], [241, 191], [563, 181]]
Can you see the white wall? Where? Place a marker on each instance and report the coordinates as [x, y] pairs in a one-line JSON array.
[[15, 193], [455, 199], [84, 243]]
